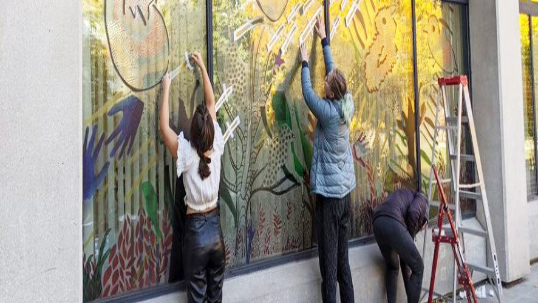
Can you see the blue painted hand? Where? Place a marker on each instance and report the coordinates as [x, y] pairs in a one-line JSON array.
[[132, 109], [91, 181]]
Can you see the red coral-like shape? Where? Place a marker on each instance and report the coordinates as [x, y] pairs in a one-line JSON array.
[[139, 259]]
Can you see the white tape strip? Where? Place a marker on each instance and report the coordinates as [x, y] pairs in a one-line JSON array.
[[174, 73], [226, 93], [306, 6], [275, 38], [188, 61], [351, 12], [293, 13], [335, 27], [288, 38], [230, 129], [245, 28], [310, 26], [343, 4]]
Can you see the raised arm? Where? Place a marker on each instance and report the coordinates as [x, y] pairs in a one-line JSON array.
[[170, 137], [327, 56], [320, 108], [208, 88]]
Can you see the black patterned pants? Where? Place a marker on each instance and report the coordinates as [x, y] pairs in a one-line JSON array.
[[332, 216]]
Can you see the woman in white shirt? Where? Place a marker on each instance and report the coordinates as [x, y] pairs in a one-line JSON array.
[[199, 161]]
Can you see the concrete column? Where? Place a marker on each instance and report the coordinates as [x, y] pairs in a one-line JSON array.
[[40, 151], [497, 97]]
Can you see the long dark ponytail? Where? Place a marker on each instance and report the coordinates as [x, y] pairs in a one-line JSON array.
[[202, 134]]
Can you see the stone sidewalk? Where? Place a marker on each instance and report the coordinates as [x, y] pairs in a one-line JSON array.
[[525, 290], [522, 291]]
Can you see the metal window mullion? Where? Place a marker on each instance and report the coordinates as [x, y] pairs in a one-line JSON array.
[[417, 98], [464, 2], [327, 20], [209, 38], [533, 92]]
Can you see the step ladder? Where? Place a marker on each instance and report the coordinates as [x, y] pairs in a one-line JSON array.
[[450, 236], [475, 191]]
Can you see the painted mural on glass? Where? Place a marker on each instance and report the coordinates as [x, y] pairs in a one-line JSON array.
[[128, 183], [372, 43], [265, 202], [440, 53]]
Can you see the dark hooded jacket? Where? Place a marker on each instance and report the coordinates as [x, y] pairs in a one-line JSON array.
[[407, 207]]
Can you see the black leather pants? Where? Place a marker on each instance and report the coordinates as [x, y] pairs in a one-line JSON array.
[[203, 257]]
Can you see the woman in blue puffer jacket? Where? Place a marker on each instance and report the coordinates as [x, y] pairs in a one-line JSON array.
[[332, 176]]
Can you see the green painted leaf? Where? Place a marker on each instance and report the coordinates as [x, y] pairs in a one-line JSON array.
[[296, 163], [289, 175], [224, 193], [425, 158], [305, 142], [151, 207], [103, 256], [264, 120], [281, 108], [169, 198]]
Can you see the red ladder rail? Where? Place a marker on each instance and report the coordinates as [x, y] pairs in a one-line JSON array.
[[464, 275]]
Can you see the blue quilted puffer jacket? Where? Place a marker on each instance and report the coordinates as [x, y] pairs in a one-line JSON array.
[[333, 173]]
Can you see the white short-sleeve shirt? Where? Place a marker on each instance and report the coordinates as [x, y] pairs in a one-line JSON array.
[[201, 194]]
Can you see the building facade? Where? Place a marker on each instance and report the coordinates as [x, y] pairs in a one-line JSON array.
[[94, 67]]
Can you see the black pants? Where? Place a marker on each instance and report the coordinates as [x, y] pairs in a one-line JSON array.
[[398, 249], [203, 257], [176, 273], [332, 225]]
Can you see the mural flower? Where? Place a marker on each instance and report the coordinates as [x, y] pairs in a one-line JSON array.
[[272, 9], [90, 180], [381, 56], [138, 259], [132, 109], [138, 41]]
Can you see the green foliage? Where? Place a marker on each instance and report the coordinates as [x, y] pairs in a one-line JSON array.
[[92, 272], [224, 193], [151, 207]]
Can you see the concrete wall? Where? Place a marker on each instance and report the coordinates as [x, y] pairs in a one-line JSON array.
[[41, 148], [533, 229], [300, 281], [498, 108]]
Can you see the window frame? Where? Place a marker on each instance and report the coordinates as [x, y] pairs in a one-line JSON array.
[[168, 288], [530, 9]]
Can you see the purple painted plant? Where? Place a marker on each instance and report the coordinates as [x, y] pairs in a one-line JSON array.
[[126, 131], [91, 181]]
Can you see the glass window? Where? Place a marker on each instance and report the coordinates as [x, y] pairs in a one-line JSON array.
[[373, 46], [529, 40], [266, 208], [528, 108], [128, 177], [441, 52], [265, 188]]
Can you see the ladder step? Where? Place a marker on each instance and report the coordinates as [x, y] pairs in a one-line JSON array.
[[469, 186], [486, 270], [473, 231], [470, 195], [443, 181], [464, 157], [454, 120], [437, 204], [446, 127], [446, 231]]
